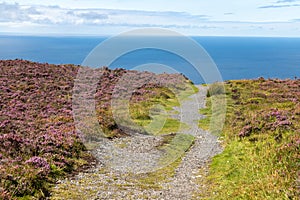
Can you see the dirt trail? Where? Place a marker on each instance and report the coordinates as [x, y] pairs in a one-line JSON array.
[[186, 180], [121, 158]]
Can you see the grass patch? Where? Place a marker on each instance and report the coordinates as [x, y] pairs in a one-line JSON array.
[[175, 146], [153, 114], [164, 125], [261, 140], [154, 179], [173, 125], [215, 109], [207, 111], [190, 90]]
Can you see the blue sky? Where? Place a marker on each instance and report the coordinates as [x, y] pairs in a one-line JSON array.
[[190, 17]]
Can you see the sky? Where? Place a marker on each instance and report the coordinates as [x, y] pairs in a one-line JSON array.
[[270, 18]]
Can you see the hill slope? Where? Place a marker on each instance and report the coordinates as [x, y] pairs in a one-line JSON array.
[[261, 139], [38, 138]]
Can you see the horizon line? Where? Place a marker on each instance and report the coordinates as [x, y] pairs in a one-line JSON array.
[[112, 35]]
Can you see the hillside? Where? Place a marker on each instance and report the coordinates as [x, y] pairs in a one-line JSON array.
[[38, 139], [261, 140], [149, 123]]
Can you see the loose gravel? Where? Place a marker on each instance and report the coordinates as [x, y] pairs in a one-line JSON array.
[[123, 158]]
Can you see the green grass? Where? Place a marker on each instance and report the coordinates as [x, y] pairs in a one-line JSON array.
[[154, 113], [215, 109], [263, 164], [247, 170], [175, 147], [173, 125], [162, 124], [152, 180], [191, 89], [207, 111]]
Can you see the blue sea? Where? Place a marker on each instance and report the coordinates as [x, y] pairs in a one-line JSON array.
[[235, 57]]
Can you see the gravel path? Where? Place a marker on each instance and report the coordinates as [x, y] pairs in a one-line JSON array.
[[123, 158], [186, 180]]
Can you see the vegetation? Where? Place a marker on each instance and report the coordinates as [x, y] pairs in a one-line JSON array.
[[216, 89], [261, 141], [38, 139], [152, 112], [145, 111], [215, 110], [177, 144]]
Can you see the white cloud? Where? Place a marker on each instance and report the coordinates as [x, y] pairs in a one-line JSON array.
[[14, 13], [241, 19], [56, 15], [280, 6], [286, 1]]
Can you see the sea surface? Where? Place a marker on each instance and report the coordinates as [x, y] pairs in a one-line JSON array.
[[235, 57]]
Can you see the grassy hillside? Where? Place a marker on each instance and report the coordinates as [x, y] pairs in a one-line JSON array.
[[38, 139], [261, 141]]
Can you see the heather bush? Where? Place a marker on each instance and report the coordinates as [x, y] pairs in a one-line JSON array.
[[38, 139]]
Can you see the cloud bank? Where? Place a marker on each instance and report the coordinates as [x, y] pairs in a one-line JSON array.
[[45, 19], [280, 6], [45, 15]]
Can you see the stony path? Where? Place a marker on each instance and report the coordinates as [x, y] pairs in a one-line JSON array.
[[121, 159], [186, 180]]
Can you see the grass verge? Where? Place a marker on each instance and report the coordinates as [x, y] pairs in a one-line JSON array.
[[261, 141], [154, 112]]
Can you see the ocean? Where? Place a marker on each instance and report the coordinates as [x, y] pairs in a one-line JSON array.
[[235, 57]]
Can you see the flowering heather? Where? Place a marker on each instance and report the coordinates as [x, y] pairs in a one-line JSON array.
[[38, 162], [281, 98], [38, 139]]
